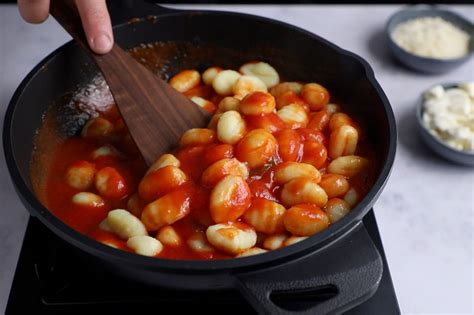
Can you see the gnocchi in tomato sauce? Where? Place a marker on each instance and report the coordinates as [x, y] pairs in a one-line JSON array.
[[277, 163]]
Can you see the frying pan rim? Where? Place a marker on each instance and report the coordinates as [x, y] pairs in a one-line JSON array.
[[310, 245]]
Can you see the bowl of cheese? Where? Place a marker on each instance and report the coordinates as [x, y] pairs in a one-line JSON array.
[[430, 39], [445, 115]]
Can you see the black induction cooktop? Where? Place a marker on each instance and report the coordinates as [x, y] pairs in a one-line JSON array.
[[52, 278]]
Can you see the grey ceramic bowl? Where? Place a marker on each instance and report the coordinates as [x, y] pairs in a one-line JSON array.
[[438, 146], [428, 65]]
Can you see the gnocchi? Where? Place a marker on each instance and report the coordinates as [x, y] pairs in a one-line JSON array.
[[218, 152], [303, 190], [288, 171], [97, 128], [315, 95], [340, 119], [160, 182], [88, 199], [314, 153], [198, 243], [111, 184], [103, 151], [343, 141], [265, 216], [251, 252], [319, 120], [349, 165], [233, 239], [257, 103], [289, 98], [204, 104], [124, 224], [210, 74], [80, 175], [351, 197], [135, 205], [293, 240], [230, 198], [263, 71], [164, 160], [276, 164], [197, 136], [167, 235], [305, 220], [273, 242], [247, 84], [229, 103], [256, 148], [166, 210], [214, 173], [336, 209], [289, 144], [293, 115], [185, 80], [334, 185], [224, 81], [145, 245], [230, 127], [283, 87]]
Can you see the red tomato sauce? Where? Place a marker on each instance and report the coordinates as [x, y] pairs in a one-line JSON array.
[[194, 161]]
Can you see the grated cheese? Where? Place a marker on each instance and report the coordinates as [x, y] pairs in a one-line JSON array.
[[432, 37]]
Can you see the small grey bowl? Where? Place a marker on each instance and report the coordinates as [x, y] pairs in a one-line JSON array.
[[437, 145], [423, 64]]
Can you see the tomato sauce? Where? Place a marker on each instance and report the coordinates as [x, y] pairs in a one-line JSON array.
[[307, 145], [194, 161]]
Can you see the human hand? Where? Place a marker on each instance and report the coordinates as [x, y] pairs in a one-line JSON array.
[[94, 16]]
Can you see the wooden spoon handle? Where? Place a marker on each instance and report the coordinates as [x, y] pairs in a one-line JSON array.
[[155, 114]]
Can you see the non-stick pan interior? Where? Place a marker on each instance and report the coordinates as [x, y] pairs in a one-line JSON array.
[[202, 39]]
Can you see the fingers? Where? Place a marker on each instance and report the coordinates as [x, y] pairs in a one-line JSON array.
[[34, 11], [96, 22]]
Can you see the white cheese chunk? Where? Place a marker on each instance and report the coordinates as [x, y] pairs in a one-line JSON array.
[[449, 116]]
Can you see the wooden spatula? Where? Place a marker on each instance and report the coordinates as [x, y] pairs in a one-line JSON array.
[[155, 113]]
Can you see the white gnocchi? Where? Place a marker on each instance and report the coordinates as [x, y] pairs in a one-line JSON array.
[[224, 81], [303, 190], [230, 127], [145, 245], [229, 103], [210, 74], [198, 243], [252, 251], [164, 160], [247, 84], [288, 171], [273, 242], [124, 224], [232, 239], [263, 71], [88, 199], [294, 115], [167, 235]]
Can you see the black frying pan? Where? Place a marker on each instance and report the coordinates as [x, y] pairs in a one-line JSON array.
[[342, 259]]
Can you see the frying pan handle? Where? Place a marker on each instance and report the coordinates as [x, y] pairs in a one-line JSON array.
[[349, 270], [122, 11]]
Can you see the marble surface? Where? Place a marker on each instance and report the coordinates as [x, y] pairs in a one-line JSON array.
[[425, 213]]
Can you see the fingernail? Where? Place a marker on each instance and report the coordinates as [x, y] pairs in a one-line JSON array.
[[102, 43]]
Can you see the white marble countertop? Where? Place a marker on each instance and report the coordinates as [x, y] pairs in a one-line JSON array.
[[425, 213]]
